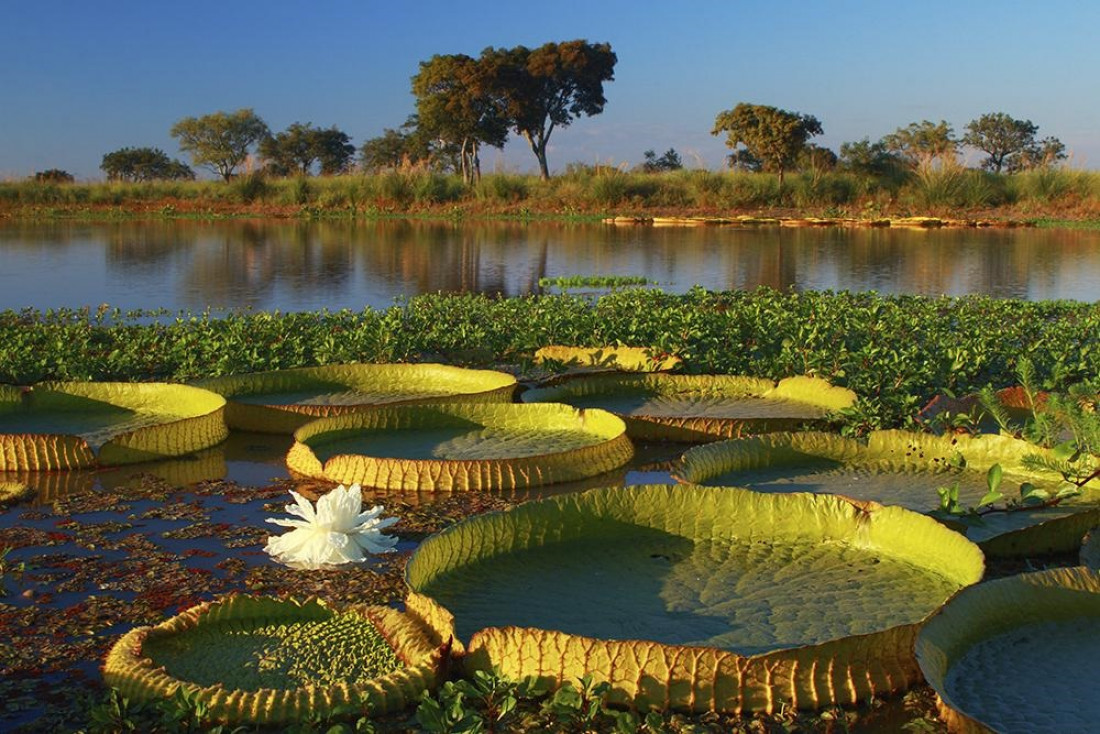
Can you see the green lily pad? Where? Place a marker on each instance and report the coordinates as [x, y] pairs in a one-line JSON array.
[[461, 446], [254, 660], [283, 401], [76, 425], [1017, 654], [700, 408], [694, 598], [905, 469]]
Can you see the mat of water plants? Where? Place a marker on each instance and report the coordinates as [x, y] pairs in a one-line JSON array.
[[281, 401], [688, 571], [699, 407], [1038, 634], [461, 446], [58, 426], [909, 470]]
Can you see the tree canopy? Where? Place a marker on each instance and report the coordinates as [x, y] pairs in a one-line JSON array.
[[669, 161], [458, 103], [772, 138], [296, 149], [923, 143], [144, 164], [548, 87], [220, 141], [1010, 143]]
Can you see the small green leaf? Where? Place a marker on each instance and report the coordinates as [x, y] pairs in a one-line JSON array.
[[993, 478], [990, 498]]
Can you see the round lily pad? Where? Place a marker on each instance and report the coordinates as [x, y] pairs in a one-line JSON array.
[[283, 401], [461, 446], [255, 660], [1017, 654], [77, 425], [700, 408], [694, 598], [906, 469]]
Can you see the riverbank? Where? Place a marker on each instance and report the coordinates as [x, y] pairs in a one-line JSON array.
[[1046, 197]]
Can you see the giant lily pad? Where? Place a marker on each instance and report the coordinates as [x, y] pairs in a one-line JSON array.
[[266, 661], [694, 598], [77, 425], [1018, 654], [699, 408], [461, 446], [283, 401], [906, 469]]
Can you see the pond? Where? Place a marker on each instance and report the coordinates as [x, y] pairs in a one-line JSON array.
[[306, 265]]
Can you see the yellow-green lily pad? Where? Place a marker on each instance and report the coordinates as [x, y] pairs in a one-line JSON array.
[[700, 408], [283, 401], [78, 425], [256, 660], [906, 469], [460, 446], [694, 598], [1017, 654]]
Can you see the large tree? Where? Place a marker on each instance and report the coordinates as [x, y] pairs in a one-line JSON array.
[[1009, 143], [458, 103], [923, 143], [296, 149], [144, 164], [548, 87], [220, 141], [773, 137]]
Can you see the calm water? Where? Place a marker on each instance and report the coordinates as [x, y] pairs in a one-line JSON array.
[[310, 265]]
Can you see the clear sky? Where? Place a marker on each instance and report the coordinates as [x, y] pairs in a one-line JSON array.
[[80, 78]]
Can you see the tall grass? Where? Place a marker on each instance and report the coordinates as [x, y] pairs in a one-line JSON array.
[[584, 189]]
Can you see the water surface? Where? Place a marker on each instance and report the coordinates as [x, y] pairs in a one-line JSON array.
[[296, 265]]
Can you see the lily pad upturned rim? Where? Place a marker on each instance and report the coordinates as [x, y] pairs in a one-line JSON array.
[[654, 675], [627, 359], [193, 420], [994, 608], [141, 678], [612, 451], [897, 450], [463, 385], [810, 391]]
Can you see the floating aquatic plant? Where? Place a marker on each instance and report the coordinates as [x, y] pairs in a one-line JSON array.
[[335, 533]]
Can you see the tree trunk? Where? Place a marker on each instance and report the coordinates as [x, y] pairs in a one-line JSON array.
[[538, 147]]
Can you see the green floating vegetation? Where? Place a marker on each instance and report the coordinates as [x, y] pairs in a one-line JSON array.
[[1017, 654], [80, 425], [282, 401], [700, 408], [255, 660], [594, 281], [453, 447], [905, 469], [694, 598]]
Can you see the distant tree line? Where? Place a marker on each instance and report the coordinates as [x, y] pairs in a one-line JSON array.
[[466, 103]]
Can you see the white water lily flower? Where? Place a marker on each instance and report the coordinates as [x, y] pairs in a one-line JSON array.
[[336, 533]]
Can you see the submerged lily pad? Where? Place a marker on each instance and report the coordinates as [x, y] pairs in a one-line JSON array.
[[1018, 654], [627, 359], [699, 408], [694, 598], [461, 446], [905, 469], [77, 425], [283, 401], [254, 660]]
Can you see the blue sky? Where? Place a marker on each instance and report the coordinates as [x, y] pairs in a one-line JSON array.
[[79, 79]]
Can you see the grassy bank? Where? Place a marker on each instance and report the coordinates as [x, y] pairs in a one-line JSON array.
[[896, 352], [1051, 194]]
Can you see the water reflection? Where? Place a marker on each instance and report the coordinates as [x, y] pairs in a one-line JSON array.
[[299, 265]]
